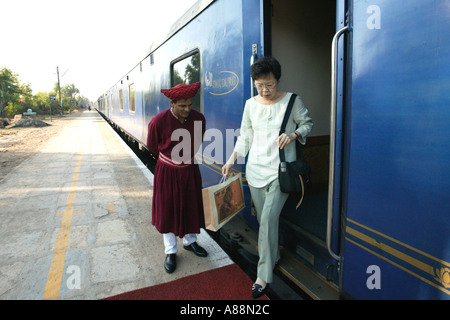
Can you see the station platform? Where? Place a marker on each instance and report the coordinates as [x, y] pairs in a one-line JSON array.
[[76, 221]]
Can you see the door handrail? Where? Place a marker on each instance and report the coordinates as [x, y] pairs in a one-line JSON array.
[[252, 61], [334, 58]]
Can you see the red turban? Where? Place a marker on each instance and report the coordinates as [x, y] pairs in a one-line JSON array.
[[182, 91]]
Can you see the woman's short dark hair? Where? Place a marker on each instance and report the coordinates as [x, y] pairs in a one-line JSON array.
[[265, 66]]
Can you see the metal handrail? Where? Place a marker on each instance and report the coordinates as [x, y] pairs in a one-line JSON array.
[[334, 58], [252, 61], [252, 85]]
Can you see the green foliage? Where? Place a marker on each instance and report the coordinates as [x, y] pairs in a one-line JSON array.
[[9, 89], [14, 108], [16, 98]]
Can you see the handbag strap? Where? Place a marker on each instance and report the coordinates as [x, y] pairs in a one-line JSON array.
[[285, 121], [303, 192]]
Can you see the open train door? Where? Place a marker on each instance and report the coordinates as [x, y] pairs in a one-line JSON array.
[[396, 175], [300, 34], [374, 224]]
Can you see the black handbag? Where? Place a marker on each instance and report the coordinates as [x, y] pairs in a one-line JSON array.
[[293, 176]]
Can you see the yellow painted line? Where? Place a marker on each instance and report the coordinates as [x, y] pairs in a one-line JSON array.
[[202, 159], [400, 267], [210, 164], [60, 213], [55, 274], [401, 243], [412, 261]]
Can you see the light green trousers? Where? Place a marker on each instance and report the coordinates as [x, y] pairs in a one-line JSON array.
[[269, 202]]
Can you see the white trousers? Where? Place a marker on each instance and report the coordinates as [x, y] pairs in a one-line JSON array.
[[170, 242], [269, 202]]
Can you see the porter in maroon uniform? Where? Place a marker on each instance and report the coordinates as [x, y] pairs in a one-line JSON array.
[[174, 136]]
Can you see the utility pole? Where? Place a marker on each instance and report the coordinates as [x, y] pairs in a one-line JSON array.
[[59, 89]]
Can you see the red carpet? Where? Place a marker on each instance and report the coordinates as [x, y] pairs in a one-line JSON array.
[[225, 283]]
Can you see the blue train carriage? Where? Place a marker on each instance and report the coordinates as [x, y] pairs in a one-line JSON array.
[[374, 224], [378, 226], [204, 45], [395, 155]]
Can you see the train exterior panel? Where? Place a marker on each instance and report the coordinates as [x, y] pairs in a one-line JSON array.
[[397, 151], [213, 48], [375, 223]]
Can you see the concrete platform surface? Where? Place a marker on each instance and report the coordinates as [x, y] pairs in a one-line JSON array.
[[76, 221]]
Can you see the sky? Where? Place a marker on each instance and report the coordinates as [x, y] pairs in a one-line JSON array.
[[93, 42]]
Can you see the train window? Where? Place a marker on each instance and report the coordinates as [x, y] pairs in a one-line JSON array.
[[111, 99], [121, 99], [152, 60], [187, 70], [132, 102]]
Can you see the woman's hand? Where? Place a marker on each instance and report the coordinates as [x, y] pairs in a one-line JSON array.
[[226, 169], [285, 139]]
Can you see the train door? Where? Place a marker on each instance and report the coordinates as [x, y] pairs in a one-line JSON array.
[[299, 34], [397, 136]]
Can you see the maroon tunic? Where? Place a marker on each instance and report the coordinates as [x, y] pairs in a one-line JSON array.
[[177, 205]]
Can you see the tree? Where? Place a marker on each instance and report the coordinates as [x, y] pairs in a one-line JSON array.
[[16, 98], [41, 103], [13, 108], [69, 90], [68, 93], [26, 94], [10, 90]]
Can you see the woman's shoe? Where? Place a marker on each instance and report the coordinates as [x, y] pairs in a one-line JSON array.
[[258, 291]]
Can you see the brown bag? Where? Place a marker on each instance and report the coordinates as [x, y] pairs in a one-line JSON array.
[[223, 201]]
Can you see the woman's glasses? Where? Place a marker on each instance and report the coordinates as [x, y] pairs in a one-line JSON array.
[[268, 86]]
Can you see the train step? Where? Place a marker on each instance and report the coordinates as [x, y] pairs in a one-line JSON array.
[[311, 285]]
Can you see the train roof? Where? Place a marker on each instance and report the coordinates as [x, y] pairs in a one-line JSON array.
[[194, 11]]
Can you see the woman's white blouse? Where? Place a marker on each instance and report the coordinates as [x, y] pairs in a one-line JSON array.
[[259, 131]]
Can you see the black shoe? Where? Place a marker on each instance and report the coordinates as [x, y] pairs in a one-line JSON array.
[[170, 263], [199, 251], [258, 291]]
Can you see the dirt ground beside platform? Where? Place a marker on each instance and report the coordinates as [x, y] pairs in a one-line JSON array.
[[18, 144]]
